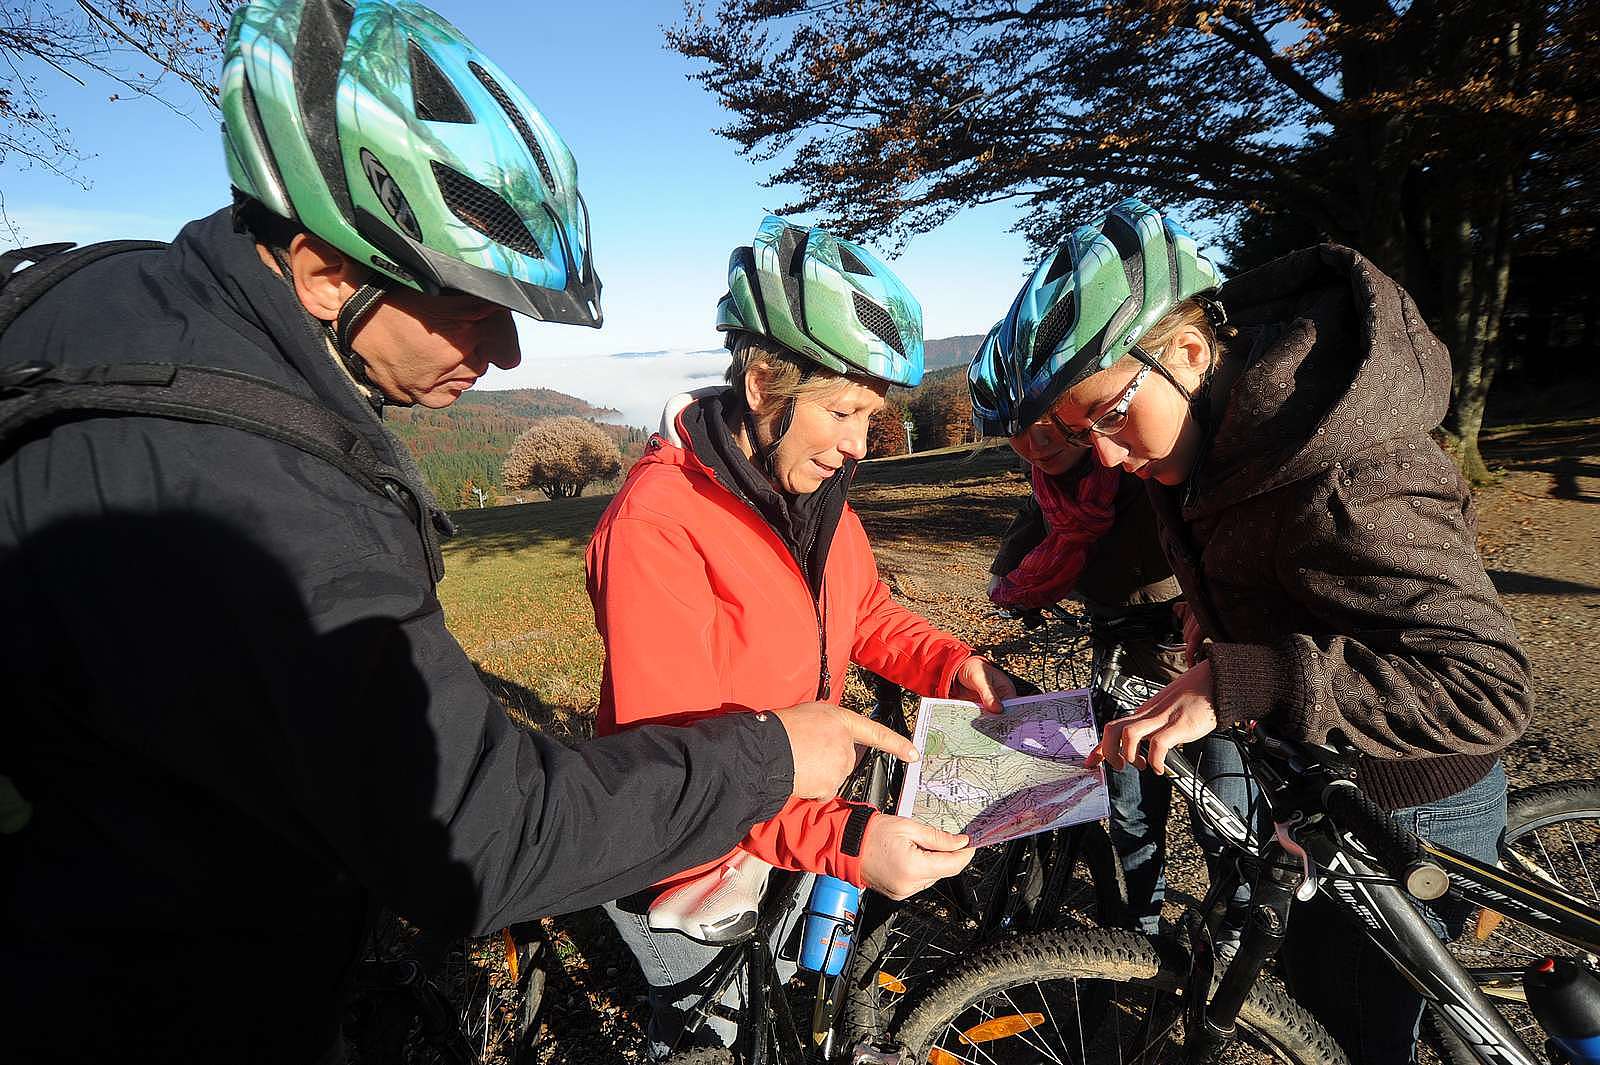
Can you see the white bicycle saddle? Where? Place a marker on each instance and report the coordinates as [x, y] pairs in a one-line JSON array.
[[719, 906]]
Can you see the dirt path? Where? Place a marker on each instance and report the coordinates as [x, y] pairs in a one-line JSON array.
[[935, 525]]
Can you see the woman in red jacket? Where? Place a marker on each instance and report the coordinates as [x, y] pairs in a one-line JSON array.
[[729, 574]]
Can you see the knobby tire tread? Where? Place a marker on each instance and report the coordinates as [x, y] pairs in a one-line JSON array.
[[1107, 955]]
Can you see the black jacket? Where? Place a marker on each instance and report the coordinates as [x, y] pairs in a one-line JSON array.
[[231, 697]]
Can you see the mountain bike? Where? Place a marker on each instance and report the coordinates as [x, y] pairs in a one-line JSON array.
[[1079, 995], [1027, 883]]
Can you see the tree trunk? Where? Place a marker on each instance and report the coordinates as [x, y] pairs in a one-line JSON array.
[[1477, 275]]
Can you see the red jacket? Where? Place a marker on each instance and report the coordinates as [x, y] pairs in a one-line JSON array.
[[704, 611]]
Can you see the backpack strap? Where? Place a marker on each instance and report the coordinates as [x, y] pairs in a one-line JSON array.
[[36, 397], [19, 289]]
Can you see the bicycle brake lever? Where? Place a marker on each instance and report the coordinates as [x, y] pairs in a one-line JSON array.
[[1306, 890]]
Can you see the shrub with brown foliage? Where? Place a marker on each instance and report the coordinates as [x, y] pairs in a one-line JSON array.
[[560, 456]]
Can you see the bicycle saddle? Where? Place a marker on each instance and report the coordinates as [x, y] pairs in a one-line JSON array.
[[719, 906]]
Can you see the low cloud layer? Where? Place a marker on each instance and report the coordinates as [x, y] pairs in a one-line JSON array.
[[636, 383]]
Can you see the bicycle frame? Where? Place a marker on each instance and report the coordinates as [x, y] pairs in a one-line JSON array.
[[1339, 862]]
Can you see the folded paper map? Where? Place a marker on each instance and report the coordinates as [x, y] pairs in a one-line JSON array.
[[1002, 776]]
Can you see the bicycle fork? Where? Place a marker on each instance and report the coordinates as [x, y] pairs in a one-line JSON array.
[[1211, 1018]]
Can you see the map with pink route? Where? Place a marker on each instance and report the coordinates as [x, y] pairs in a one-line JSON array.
[[998, 777]]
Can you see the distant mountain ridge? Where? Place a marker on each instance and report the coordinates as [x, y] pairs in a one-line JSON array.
[[950, 351]]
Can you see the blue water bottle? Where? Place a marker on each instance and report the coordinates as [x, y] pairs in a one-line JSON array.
[[830, 922], [1565, 997]]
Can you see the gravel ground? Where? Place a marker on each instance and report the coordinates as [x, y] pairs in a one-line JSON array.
[[1539, 529]]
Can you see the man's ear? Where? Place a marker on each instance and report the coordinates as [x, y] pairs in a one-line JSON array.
[[324, 277]]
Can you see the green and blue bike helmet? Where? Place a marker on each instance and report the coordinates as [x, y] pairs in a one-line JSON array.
[[1085, 307], [826, 299], [381, 129]]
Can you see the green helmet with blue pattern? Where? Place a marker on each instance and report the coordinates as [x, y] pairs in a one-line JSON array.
[[1085, 307], [989, 383], [381, 129], [824, 298]]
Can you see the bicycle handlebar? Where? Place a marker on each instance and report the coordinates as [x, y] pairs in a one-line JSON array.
[[1399, 851]]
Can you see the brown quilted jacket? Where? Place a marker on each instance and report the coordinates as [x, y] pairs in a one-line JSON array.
[[1328, 546]]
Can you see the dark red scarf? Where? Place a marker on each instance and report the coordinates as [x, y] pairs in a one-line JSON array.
[[1078, 509]]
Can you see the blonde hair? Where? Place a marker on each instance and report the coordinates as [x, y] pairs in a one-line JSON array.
[[1192, 313], [781, 373]]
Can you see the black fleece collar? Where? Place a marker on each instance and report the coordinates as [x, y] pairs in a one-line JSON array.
[[805, 523]]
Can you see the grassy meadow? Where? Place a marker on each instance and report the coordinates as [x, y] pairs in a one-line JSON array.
[[513, 594]]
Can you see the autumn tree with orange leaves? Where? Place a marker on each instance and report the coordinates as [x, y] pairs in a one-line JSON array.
[[886, 433], [560, 457], [891, 117]]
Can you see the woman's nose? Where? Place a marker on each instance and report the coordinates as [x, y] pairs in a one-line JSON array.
[[854, 443], [1108, 452]]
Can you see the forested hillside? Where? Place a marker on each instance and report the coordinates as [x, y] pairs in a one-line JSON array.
[[462, 446]]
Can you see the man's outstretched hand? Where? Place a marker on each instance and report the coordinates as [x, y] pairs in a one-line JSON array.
[[823, 739]]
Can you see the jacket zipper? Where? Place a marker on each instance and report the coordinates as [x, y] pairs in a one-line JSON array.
[[819, 605]]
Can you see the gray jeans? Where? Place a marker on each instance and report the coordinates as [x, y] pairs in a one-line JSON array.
[[681, 971]]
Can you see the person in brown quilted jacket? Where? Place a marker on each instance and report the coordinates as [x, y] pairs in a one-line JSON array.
[[1327, 550]]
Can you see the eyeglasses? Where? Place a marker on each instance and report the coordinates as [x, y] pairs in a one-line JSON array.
[[1110, 423]]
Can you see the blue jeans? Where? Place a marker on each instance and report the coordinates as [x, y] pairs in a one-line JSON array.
[[680, 971], [1336, 972]]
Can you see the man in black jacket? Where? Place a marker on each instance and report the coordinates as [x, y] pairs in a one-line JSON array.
[[230, 698]]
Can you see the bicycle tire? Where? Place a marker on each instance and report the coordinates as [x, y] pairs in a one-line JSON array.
[[1553, 833], [1103, 977], [892, 962]]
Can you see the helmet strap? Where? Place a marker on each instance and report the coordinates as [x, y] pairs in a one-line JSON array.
[[342, 330], [1154, 362], [765, 453]]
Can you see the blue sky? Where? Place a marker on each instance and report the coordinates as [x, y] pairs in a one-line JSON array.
[[669, 199]]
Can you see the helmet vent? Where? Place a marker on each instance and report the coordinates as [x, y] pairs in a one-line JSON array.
[[485, 210], [1125, 238], [878, 323], [517, 120], [852, 263], [432, 95], [1063, 263], [1053, 329]]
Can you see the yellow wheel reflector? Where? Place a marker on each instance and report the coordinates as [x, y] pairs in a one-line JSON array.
[[890, 982], [936, 1056], [1001, 1027], [1488, 921], [509, 944]]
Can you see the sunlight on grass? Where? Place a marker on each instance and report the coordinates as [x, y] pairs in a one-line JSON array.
[[513, 595]]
